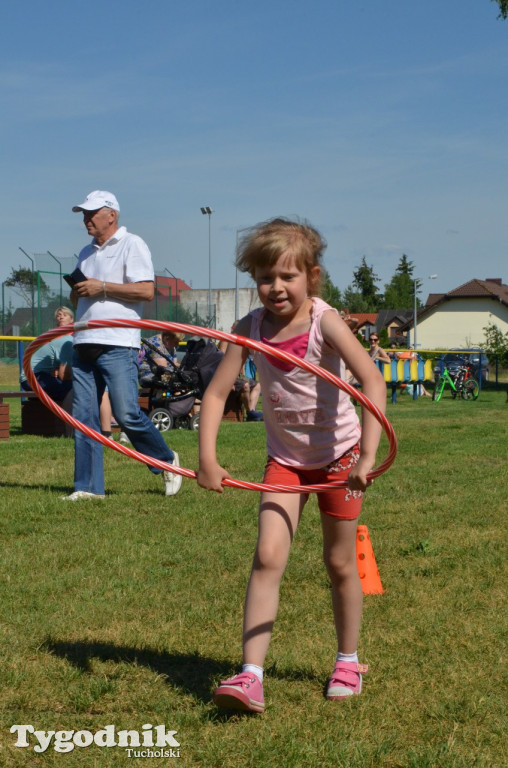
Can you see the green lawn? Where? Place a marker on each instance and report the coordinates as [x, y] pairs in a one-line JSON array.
[[129, 611]]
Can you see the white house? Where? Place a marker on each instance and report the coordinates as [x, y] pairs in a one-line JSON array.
[[457, 318]]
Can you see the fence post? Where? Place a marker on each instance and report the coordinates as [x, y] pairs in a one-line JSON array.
[[21, 352], [39, 322]]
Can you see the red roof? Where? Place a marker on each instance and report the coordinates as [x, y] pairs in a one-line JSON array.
[[165, 285], [365, 318], [493, 288]]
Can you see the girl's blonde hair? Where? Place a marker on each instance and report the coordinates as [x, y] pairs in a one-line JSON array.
[[263, 244]]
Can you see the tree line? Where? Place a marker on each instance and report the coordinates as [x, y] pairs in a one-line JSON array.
[[364, 294]]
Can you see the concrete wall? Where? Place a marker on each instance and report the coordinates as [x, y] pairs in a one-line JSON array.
[[460, 323], [223, 299]]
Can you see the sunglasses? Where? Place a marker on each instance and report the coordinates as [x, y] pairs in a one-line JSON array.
[[372, 339]]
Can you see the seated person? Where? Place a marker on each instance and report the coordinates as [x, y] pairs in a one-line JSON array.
[[167, 342], [248, 388], [250, 391], [393, 354], [407, 354], [52, 362]]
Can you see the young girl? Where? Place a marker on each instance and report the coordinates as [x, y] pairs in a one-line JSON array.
[[313, 436]]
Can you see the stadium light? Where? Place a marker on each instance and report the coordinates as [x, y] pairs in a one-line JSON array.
[[207, 211]]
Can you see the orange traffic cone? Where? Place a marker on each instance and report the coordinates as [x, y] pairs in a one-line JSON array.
[[366, 563]]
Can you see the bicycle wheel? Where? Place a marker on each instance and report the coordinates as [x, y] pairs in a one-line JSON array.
[[438, 389], [470, 390]]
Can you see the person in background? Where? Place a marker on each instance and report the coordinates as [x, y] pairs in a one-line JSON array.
[[351, 322], [247, 387], [393, 354], [119, 276], [52, 362], [375, 352], [57, 381], [167, 342]]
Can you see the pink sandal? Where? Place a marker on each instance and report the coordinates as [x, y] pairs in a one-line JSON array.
[[243, 691], [346, 680]]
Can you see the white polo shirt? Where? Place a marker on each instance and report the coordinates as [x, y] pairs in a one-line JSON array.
[[124, 258]]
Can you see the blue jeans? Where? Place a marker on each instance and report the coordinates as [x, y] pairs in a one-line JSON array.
[[117, 369], [54, 387]]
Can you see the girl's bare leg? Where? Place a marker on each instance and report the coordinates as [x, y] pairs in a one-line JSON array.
[[339, 554], [279, 515]]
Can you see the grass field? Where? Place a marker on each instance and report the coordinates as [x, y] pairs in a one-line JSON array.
[[129, 611]]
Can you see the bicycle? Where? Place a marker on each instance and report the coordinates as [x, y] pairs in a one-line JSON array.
[[466, 384], [462, 384]]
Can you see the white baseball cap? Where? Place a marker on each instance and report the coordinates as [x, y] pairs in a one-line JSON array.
[[99, 198]]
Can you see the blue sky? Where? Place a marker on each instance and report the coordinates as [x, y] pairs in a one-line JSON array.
[[383, 122]]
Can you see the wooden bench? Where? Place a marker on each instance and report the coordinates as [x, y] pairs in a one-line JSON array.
[[36, 419], [4, 410]]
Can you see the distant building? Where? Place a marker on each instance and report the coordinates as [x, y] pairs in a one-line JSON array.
[[457, 318], [394, 320], [365, 322], [21, 319], [227, 303]]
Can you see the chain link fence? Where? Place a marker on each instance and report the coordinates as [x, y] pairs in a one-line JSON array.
[[28, 310]]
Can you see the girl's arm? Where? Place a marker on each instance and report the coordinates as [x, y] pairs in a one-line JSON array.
[[337, 334], [210, 473]]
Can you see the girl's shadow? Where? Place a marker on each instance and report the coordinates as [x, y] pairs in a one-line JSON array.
[[191, 673]]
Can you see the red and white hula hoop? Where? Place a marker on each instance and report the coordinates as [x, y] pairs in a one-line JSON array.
[[213, 334]]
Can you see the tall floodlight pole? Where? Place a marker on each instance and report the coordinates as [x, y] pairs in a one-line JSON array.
[[415, 308], [207, 211]]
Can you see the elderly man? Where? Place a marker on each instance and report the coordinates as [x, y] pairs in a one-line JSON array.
[[119, 276]]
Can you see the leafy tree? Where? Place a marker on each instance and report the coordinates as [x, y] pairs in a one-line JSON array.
[[384, 339], [366, 297], [354, 301], [503, 8], [329, 292], [23, 281], [399, 292], [496, 344]]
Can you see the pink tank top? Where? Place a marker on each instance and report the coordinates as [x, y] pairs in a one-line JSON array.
[[297, 346], [309, 422]]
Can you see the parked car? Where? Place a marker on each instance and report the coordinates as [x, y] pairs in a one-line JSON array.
[[456, 357]]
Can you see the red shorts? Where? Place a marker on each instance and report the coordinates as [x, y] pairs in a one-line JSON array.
[[338, 502]]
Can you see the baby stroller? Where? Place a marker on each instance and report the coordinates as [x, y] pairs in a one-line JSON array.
[[173, 391]]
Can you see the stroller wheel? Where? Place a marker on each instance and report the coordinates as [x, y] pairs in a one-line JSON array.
[[194, 421], [161, 419]]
